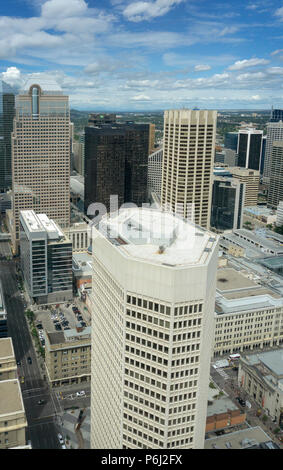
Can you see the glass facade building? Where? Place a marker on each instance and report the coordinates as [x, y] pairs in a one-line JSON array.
[[227, 203], [249, 148], [116, 161], [7, 112], [46, 258]]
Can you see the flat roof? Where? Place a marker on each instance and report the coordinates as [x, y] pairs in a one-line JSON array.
[[229, 278], [6, 348], [221, 405], [158, 237], [273, 360], [242, 439], [10, 397]]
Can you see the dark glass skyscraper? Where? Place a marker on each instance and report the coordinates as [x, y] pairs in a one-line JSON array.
[[227, 203], [7, 112], [116, 159], [249, 148], [276, 115]]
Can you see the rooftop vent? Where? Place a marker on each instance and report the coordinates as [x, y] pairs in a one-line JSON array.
[[161, 249]]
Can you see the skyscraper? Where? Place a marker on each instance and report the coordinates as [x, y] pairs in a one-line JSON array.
[[7, 112], [41, 152], [275, 192], [155, 172], [116, 159], [227, 203], [249, 148], [152, 331], [251, 180], [188, 157], [276, 115], [274, 132]]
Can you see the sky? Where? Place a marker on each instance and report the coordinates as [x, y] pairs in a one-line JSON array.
[[126, 55]]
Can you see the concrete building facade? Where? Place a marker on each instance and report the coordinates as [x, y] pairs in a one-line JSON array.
[[67, 356], [46, 259], [251, 180], [187, 168], [275, 191], [41, 153], [152, 330]]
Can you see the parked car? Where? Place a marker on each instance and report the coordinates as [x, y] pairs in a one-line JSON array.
[[83, 323], [18, 363], [60, 437], [80, 394], [241, 401], [58, 327], [41, 402], [29, 360]]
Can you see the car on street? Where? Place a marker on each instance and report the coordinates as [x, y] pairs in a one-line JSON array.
[[60, 437], [41, 402], [18, 363], [29, 360], [241, 401], [81, 394]]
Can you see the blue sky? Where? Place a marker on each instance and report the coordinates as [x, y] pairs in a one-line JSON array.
[[149, 54]]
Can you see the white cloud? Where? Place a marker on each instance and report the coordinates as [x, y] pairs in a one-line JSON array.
[[278, 51], [140, 98], [139, 11], [279, 13], [200, 68], [13, 77], [242, 64]]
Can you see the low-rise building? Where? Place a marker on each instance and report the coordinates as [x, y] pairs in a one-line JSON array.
[[261, 377], [250, 438], [13, 421], [82, 271], [67, 356], [8, 366], [248, 315], [223, 413], [79, 234]]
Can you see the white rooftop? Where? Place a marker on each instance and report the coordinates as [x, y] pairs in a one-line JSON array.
[[41, 223], [158, 237]]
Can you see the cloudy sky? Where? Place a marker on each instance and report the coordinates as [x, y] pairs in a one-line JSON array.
[[148, 54]]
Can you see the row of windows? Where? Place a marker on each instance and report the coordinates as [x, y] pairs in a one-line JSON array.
[[148, 318], [147, 367], [145, 390], [149, 344], [142, 412]]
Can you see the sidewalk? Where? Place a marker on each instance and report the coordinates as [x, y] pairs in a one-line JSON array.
[[77, 439]]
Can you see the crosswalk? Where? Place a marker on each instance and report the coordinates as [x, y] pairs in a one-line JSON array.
[[223, 374]]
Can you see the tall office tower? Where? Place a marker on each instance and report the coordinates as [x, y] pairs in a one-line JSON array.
[[275, 192], [227, 203], [151, 142], [152, 332], [251, 179], [154, 174], [249, 148], [274, 132], [188, 157], [104, 166], [116, 159], [7, 112], [262, 157], [41, 153], [231, 140], [46, 258], [276, 115]]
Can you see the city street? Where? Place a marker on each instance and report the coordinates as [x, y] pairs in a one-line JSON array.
[[42, 419], [227, 380]]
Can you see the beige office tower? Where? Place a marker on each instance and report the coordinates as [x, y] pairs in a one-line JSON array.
[[251, 179], [275, 192], [152, 330], [41, 153], [188, 157], [151, 140]]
